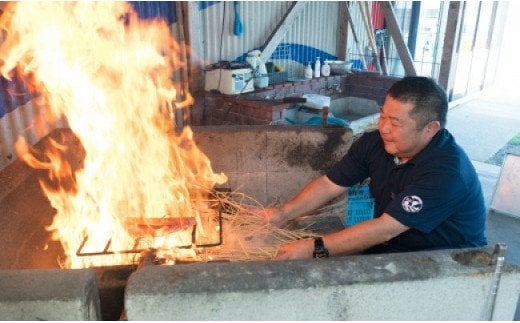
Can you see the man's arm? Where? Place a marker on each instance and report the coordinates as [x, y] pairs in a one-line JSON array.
[[313, 195], [347, 241]]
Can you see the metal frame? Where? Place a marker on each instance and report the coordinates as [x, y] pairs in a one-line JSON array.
[[221, 208]]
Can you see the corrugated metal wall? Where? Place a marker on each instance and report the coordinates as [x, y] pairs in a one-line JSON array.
[[27, 121], [313, 34]]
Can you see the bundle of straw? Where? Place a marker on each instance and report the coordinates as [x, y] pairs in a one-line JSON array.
[[246, 237]]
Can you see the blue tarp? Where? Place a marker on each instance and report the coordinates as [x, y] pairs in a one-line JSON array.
[[156, 9], [13, 94], [205, 4], [299, 53]]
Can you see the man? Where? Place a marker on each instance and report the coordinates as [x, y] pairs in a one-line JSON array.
[[427, 192]]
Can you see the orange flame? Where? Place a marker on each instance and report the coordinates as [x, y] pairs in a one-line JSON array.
[[110, 75]]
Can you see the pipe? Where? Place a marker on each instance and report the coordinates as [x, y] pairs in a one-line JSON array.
[[498, 258]]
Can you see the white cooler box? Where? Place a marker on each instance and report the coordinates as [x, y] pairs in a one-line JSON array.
[[230, 81]]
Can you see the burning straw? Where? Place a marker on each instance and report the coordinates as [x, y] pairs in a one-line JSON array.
[[108, 74], [247, 237]]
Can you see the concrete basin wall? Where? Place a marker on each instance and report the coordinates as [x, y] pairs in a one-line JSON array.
[[272, 163], [408, 286], [362, 114], [49, 295], [352, 108]]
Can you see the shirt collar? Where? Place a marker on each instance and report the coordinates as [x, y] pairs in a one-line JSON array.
[[436, 141]]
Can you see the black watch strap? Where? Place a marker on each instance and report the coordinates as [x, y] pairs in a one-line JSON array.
[[319, 249]]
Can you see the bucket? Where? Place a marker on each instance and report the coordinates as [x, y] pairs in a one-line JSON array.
[[261, 81]]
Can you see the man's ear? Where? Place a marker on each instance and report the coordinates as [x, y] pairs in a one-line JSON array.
[[433, 126]]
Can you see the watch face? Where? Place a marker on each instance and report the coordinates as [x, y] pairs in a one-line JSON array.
[[321, 254], [319, 249]]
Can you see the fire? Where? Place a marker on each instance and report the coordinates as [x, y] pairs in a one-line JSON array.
[[109, 74]]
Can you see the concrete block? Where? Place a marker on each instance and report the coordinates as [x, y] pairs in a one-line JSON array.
[[49, 294], [408, 286]]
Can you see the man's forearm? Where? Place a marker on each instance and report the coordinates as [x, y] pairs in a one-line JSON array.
[[347, 241], [312, 196], [363, 235]]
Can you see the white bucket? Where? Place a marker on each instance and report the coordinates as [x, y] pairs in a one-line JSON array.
[[261, 81]]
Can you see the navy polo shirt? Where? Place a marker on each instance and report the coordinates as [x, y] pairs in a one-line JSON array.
[[436, 193]]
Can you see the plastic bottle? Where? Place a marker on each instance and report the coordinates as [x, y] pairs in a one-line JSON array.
[[325, 69], [317, 67], [308, 71]]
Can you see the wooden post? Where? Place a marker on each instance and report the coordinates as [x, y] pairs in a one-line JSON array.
[[449, 50], [324, 116], [341, 47], [192, 33], [195, 66], [279, 32], [367, 22], [185, 81], [397, 36]]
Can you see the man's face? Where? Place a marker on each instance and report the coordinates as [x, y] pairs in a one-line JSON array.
[[399, 131]]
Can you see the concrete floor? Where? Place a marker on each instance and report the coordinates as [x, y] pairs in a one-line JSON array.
[[482, 125]]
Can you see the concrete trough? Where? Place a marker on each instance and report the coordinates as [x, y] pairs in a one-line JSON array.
[[436, 285], [49, 295], [269, 163]]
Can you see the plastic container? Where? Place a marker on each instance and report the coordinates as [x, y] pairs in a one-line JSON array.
[[359, 211], [316, 101], [308, 71], [339, 67], [360, 205], [269, 66], [261, 81], [359, 192], [325, 69], [331, 120], [277, 78], [317, 67]]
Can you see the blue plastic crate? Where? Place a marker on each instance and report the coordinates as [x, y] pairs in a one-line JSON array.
[[360, 205], [359, 211], [359, 192]]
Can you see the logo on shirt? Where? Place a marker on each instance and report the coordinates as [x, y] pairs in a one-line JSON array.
[[412, 204]]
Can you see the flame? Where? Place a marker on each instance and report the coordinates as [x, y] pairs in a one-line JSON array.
[[109, 74]]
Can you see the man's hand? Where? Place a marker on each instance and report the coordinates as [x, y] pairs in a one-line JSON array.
[[301, 249], [313, 195], [273, 216]]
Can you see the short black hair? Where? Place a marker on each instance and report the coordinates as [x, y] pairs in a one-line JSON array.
[[429, 99]]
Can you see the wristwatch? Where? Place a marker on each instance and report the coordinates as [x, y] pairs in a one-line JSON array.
[[319, 249]]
